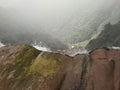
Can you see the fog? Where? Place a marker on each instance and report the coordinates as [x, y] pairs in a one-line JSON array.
[[52, 13], [61, 18]]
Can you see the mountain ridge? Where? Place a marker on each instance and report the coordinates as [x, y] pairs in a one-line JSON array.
[[53, 71]]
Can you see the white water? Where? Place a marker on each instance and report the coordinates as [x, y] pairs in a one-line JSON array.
[[38, 46], [80, 52], [41, 46], [114, 47], [74, 52], [1, 44]]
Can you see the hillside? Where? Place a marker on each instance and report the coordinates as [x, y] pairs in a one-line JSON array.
[[24, 68], [109, 37]]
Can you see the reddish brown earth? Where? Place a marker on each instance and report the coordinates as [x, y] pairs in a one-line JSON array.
[[25, 68]]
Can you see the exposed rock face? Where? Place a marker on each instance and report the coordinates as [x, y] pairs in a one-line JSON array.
[[25, 68]]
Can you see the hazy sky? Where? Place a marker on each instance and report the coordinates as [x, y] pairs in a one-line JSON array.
[[52, 3], [46, 10], [54, 15], [54, 8], [51, 12]]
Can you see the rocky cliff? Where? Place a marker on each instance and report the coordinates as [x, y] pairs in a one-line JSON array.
[[24, 68]]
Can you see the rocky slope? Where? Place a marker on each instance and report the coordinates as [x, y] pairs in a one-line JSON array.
[[24, 68], [109, 37]]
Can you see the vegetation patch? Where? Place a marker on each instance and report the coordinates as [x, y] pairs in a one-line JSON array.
[[46, 64], [22, 62]]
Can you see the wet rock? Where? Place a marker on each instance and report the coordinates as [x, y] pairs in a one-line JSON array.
[[24, 68]]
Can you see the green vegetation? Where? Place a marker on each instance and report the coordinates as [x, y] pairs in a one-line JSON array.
[[45, 65], [23, 60], [24, 67], [30, 62]]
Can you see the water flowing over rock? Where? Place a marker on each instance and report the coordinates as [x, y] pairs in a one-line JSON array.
[[1, 44], [41, 46], [23, 67]]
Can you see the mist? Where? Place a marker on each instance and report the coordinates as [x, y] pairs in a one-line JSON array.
[[53, 13], [70, 21]]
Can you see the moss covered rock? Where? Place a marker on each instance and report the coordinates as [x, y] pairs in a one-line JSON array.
[[22, 67], [46, 64]]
